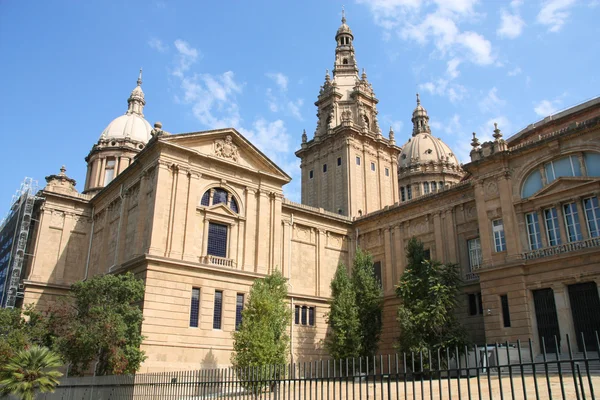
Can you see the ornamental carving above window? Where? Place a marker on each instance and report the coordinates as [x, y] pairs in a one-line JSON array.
[[226, 148]]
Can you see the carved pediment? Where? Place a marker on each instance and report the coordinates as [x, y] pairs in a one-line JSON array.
[[229, 146], [221, 209], [562, 184]]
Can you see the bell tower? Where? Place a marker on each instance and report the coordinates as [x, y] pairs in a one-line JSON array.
[[348, 167]]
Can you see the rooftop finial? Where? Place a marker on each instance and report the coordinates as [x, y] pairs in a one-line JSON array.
[[343, 15], [63, 170], [139, 81], [418, 99], [475, 142], [497, 133]]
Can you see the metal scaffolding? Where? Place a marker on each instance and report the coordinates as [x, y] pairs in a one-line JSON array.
[[14, 234]]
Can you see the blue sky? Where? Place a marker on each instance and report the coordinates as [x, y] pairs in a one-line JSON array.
[[68, 68]]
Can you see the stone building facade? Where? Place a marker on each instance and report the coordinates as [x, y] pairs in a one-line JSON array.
[[199, 216]]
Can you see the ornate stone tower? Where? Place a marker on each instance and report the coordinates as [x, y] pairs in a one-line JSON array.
[[348, 167], [122, 139]]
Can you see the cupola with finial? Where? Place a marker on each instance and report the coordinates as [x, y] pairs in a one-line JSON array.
[[420, 119]]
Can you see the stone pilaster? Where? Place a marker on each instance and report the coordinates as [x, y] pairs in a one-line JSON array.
[[193, 200]]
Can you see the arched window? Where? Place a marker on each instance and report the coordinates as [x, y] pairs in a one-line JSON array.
[[425, 187], [217, 196], [345, 61], [568, 166]]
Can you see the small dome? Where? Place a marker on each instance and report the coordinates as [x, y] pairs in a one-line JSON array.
[[344, 28], [130, 125], [424, 149]]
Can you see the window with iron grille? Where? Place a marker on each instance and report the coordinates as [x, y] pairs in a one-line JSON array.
[[297, 315], [499, 239], [195, 307], [425, 187], [408, 192], [217, 239], [572, 222], [533, 231], [505, 311], [304, 315], [239, 307], [311, 316], [592, 215], [475, 258], [218, 309], [377, 271], [402, 194], [552, 228], [475, 304]]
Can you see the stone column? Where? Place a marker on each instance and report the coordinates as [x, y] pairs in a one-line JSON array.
[[508, 217], [561, 223], [122, 233], [399, 253], [101, 171], [394, 174], [582, 219], [348, 194], [65, 235], [437, 233], [263, 234], [179, 210], [276, 229], [321, 240], [450, 235], [142, 217], [249, 260], [191, 221], [388, 280], [565, 316], [286, 248], [543, 229], [159, 223], [484, 225]]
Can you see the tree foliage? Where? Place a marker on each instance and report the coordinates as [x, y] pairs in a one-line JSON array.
[[343, 337], [355, 318], [29, 371], [20, 329], [262, 337], [428, 291], [102, 323]]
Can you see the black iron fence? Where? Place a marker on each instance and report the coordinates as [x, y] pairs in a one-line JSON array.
[[499, 371]]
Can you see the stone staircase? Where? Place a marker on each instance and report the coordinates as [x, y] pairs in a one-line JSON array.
[[565, 364]]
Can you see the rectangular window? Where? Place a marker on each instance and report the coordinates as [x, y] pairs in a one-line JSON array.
[[218, 309], [475, 257], [372, 166], [505, 311], [297, 315], [339, 161], [239, 307], [408, 192], [533, 231], [377, 272], [311, 316], [572, 222], [304, 315], [195, 307], [472, 304], [552, 228], [499, 240], [433, 186], [427, 254], [310, 174], [402, 194], [324, 167], [592, 216], [109, 171], [387, 171], [217, 240], [480, 303], [357, 160], [425, 187]]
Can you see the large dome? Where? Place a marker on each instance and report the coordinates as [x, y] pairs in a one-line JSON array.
[[423, 148], [131, 125]]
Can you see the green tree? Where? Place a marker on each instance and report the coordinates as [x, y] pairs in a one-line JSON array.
[[344, 334], [101, 324], [29, 371], [369, 300], [428, 291], [18, 332], [262, 337]]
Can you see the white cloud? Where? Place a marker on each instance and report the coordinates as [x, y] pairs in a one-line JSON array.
[[444, 87], [280, 79], [554, 13], [158, 45], [546, 107], [511, 25], [487, 129], [186, 56], [479, 47], [491, 102], [452, 68], [514, 72]]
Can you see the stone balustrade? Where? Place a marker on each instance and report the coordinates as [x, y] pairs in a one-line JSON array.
[[561, 248], [471, 276], [218, 261]]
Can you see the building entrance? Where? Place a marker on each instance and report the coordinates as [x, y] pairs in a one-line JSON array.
[[585, 307], [547, 319]]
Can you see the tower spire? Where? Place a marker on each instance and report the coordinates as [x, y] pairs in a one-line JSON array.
[[343, 15], [136, 101], [420, 119]]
